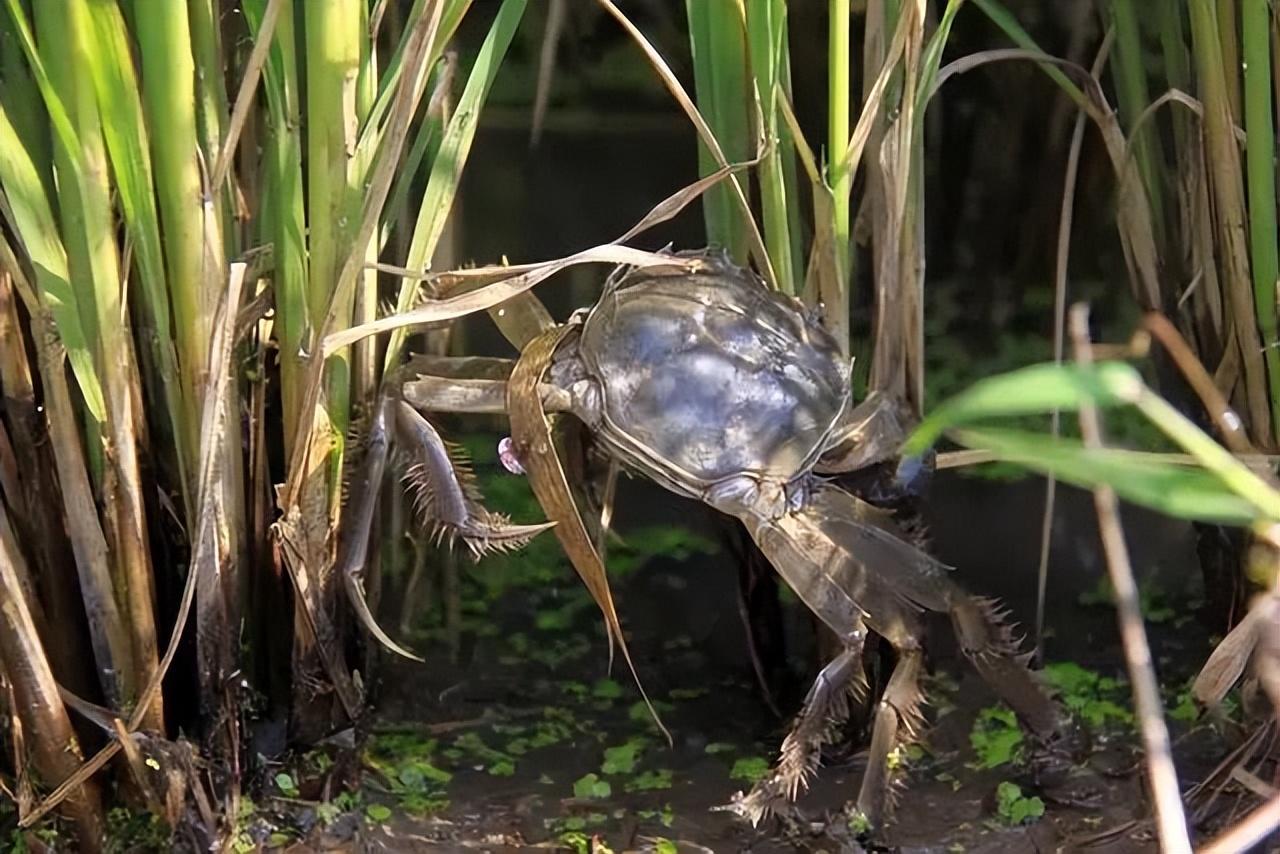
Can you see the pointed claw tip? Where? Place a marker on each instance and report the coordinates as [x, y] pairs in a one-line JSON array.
[[361, 605], [483, 536]]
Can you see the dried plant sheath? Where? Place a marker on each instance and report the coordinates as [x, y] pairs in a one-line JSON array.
[[39, 706]]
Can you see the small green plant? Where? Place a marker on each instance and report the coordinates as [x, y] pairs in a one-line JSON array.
[[950, 779], [136, 832], [1153, 600], [666, 816], [640, 713], [1014, 808], [1091, 697], [591, 787], [651, 781], [749, 768], [996, 738], [406, 761], [606, 689], [622, 758], [1184, 708], [286, 784], [377, 812]]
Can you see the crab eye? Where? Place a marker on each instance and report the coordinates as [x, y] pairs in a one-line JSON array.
[[507, 455]]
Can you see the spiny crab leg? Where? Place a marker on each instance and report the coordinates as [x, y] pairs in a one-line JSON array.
[[837, 550], [826, 707], [446, 496], [353, 540]]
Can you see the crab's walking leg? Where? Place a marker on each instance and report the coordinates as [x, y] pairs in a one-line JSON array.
[[895, 569], [837, 551], [446, 496], [987, 641], [357, 523], [826, 707], [840, 590], [897, 723]]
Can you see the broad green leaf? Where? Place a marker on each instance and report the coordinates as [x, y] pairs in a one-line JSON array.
[[1029, 390], [116, 87], [1146, 479], [35, 224], [718, 48], [446, 169]]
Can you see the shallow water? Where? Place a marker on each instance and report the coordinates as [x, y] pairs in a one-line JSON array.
[[541, 678]]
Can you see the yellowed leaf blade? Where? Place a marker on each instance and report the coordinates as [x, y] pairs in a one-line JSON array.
[[1227, 662], [523, 279], [531, 435]]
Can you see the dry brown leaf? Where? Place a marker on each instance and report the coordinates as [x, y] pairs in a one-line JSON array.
[[522, 278], [535, 446]]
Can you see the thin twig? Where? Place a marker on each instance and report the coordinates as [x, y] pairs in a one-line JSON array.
[[1170, 819], [244, 97], [1248, 832], [1059, 322], [1193, 370]]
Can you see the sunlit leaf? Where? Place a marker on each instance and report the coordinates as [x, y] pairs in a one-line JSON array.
[[1034, 389], [1151, 480]]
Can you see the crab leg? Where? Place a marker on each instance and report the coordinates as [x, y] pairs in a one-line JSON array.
[[871, 433], [898, 722], [979, 624], [826, 707], [357, 522], [838, 587], [446, 496], [839, 549]]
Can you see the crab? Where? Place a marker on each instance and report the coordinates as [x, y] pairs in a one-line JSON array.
[[701, 378]]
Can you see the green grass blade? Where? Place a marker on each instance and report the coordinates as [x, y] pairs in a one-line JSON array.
[[933, 54], [840, 170], [20, 97], [284, 219], [112, 72], [34, 223], [446, 169], [332, 59], [1210, 454], [168, 66], [1031, 390], [95, 262], [766, 31], [1128, 68], [1260, 183], [450, 17], [1168, 487], [720, 86], [205, 21], [1002, 18]]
